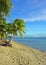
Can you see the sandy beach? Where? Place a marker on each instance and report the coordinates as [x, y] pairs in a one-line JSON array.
[[21, 55]]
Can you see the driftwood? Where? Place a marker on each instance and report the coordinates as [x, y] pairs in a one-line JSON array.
[[6, 43]]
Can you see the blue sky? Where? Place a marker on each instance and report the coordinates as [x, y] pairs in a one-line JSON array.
[[33, 12]]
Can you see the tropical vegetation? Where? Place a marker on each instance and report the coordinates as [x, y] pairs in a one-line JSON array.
[[15, 28]]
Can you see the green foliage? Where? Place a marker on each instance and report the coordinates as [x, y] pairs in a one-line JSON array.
[[17, 27], [5, 6], [2, 27]]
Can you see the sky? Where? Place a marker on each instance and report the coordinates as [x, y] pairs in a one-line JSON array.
[[33, 12]]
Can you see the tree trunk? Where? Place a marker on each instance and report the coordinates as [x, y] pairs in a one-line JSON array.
[[9, 42]]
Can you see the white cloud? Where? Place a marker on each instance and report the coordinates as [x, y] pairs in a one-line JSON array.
[[40, 18]]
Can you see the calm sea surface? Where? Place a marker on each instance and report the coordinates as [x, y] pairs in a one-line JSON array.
[[35, 42]]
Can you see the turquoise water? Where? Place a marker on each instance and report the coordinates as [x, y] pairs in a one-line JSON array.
[[35, 42]]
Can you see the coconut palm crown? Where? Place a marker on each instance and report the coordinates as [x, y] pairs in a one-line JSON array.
[[19, 27]]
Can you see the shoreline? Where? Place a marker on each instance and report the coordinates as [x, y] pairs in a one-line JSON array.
[[30, 46], [20, 54], [38, 43]]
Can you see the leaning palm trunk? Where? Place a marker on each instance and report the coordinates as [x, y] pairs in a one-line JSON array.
[[9, 42], [11, 39]]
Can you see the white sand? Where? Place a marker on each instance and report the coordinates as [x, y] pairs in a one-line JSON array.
[[21, 55]]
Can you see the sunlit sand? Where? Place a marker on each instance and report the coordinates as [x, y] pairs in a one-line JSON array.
[[21, 55]]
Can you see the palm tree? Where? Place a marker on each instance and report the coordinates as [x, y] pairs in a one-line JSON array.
[[2, 27], [19, 27], [9, 29], [15, 28], [5, 6]]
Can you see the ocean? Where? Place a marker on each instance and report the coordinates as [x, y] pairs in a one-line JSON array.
[[34, 42]]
